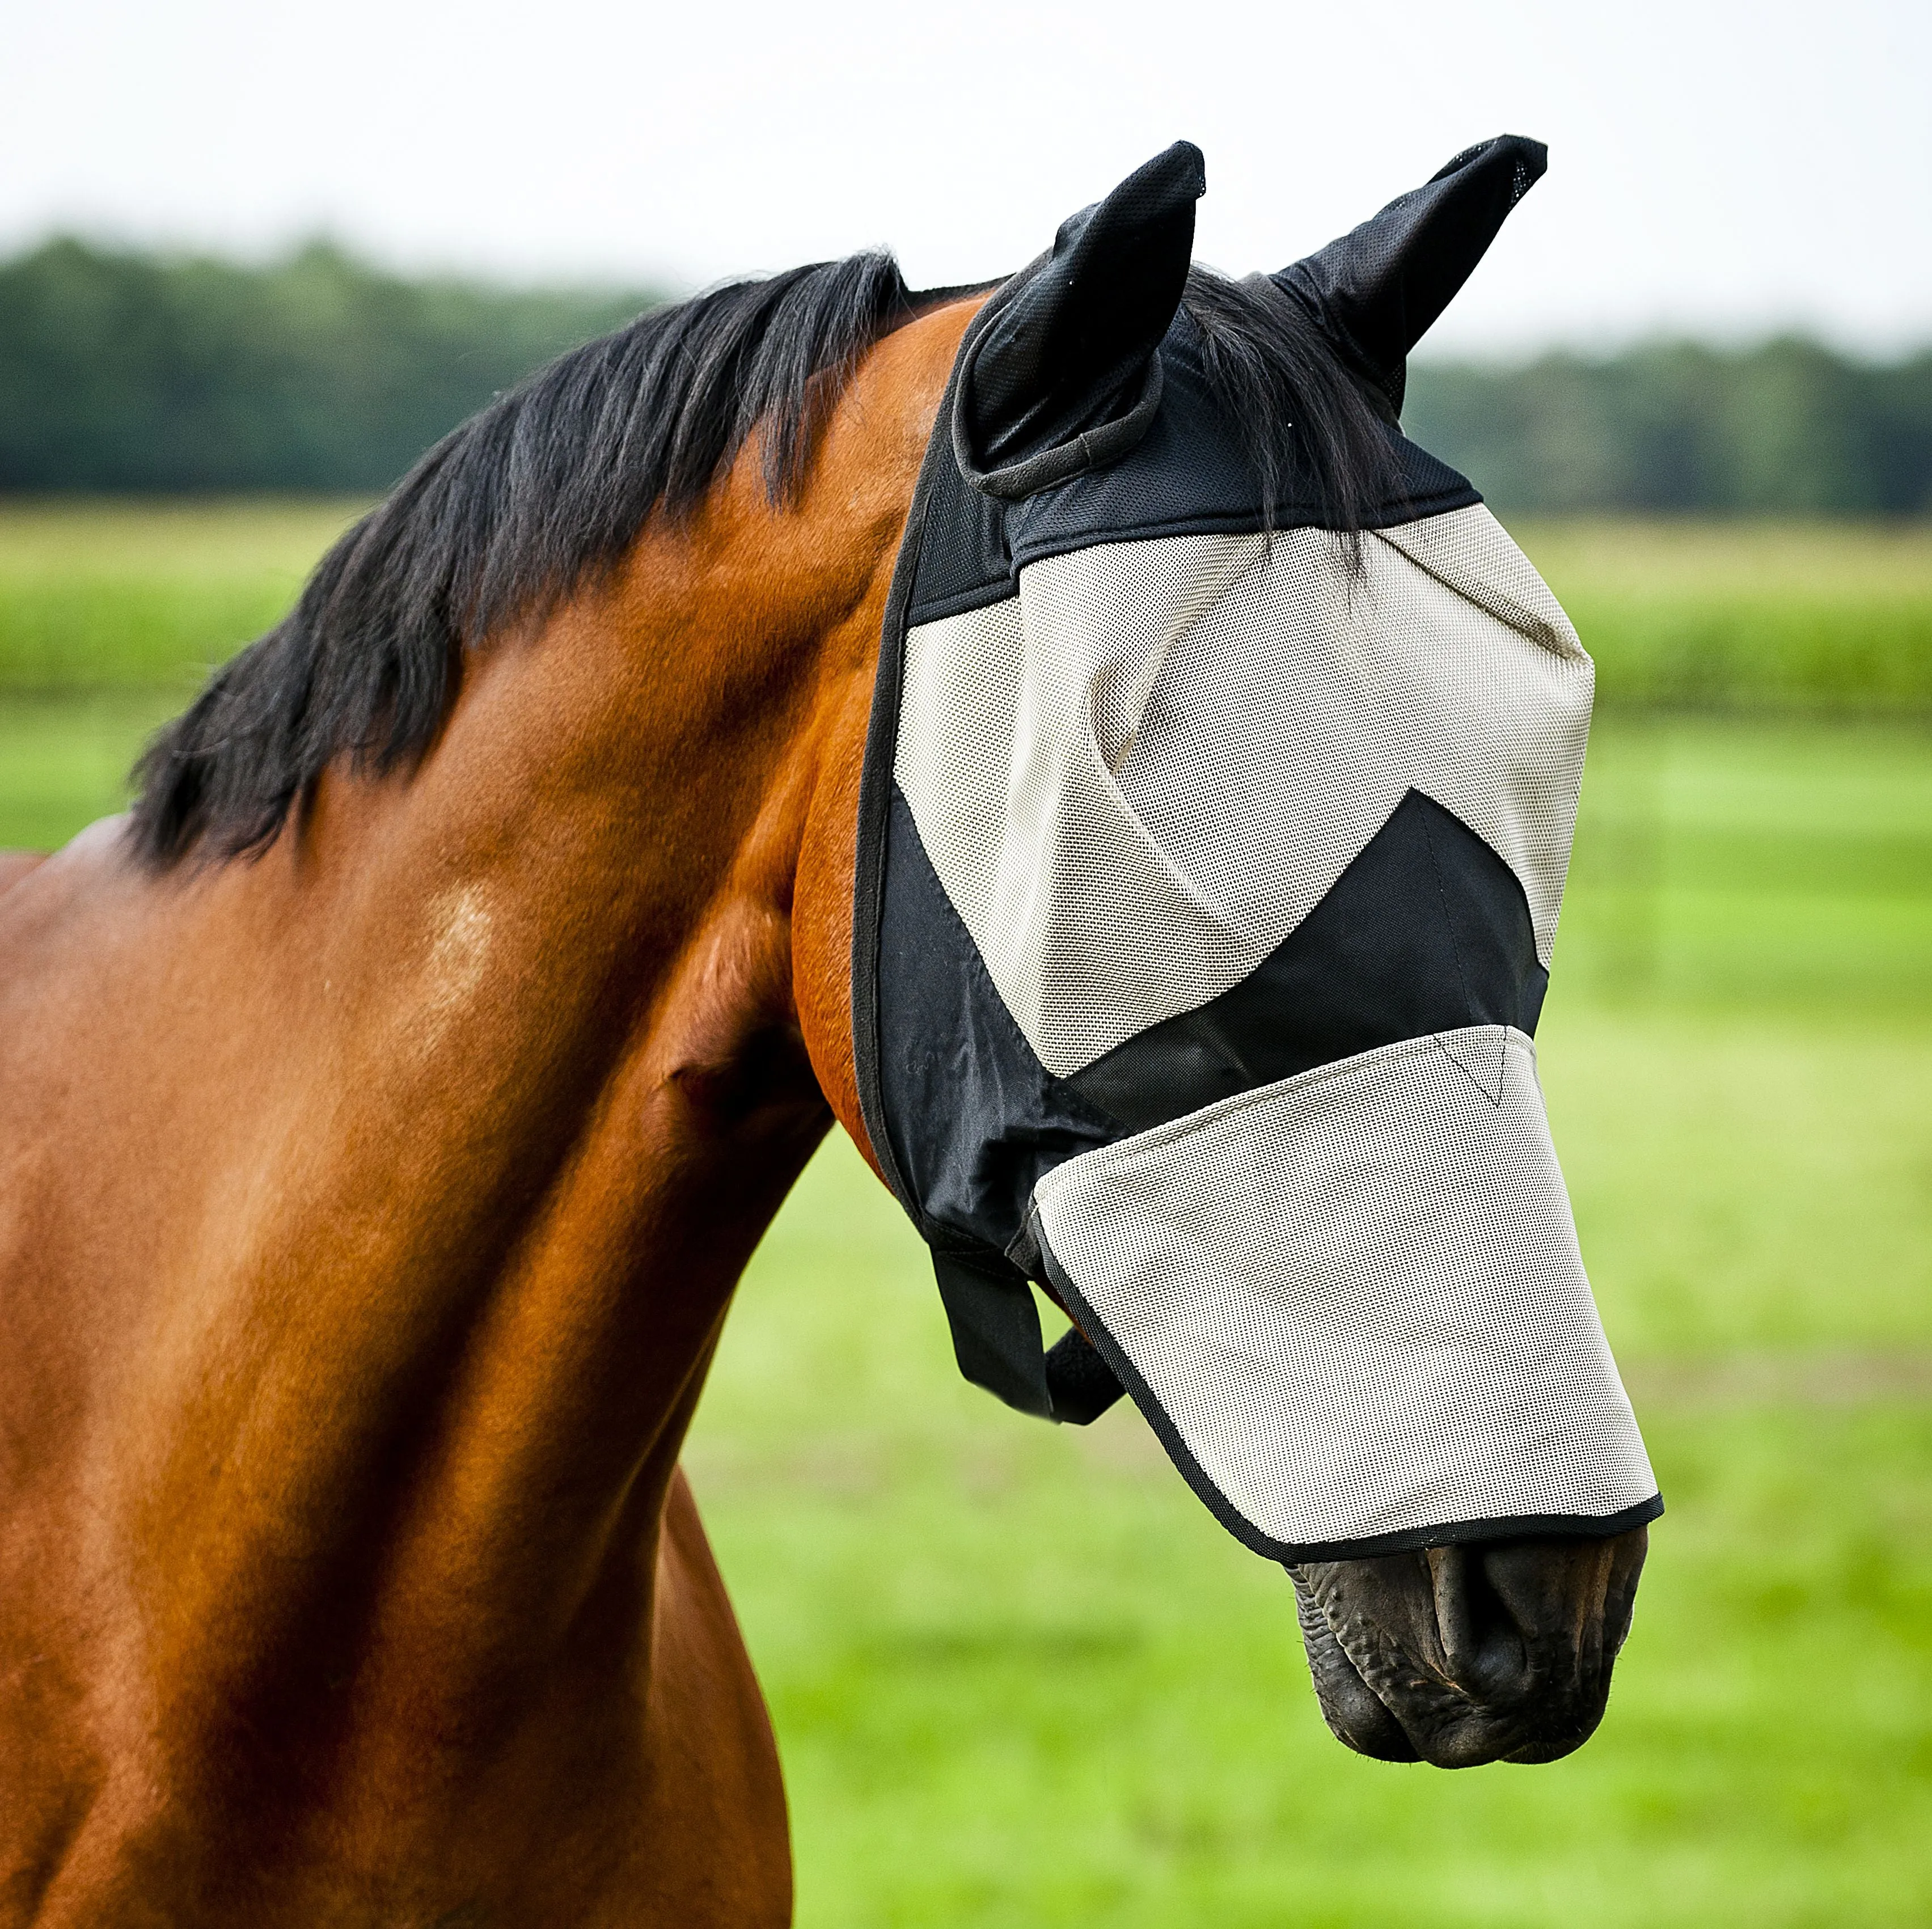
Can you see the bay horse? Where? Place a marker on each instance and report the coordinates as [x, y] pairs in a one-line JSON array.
[[388, 1107]]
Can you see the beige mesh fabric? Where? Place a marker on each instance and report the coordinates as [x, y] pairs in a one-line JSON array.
[[1136, 778], [1357, 1296]]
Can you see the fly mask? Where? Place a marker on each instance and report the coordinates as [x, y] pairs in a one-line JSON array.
[[1209, 861]]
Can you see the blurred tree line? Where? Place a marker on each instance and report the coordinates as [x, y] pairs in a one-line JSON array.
[[141, 372], [131, 371], [1788, 427]]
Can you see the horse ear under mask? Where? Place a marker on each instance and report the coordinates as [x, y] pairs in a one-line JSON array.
[[1376, 293], [1060, 374]]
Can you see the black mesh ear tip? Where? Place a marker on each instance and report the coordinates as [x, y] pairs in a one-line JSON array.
[[1378, 289], [1158, 193], [1059, 374], [1176, 175], [1528, 160], [1529, 163], [1185, 167], [1161, 190]]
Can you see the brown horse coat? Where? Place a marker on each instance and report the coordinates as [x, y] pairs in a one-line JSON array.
[[368, 1213]]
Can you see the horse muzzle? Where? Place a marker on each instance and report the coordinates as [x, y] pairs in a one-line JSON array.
[[1495, 1651]]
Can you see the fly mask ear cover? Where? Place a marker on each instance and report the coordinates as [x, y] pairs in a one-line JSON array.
[[1207, 882]]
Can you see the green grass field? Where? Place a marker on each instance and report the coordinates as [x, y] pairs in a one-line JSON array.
[[1818, 618], [106, 595], [1020, 1677]]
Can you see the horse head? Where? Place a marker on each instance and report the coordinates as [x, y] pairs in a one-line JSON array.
[[1220, 784]]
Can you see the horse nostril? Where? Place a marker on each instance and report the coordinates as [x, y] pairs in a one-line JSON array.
[[1499, 1650], [1484, 1646], [1627, 1556]]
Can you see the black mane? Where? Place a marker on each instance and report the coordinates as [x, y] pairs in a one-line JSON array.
[[504, 518], [546, 489]]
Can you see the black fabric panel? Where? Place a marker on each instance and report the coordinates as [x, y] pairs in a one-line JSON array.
[[996, 1340], [974, 1117], [965, 561], [1188, 476], [1081, 1384], [1426, 931], [995, 1323]]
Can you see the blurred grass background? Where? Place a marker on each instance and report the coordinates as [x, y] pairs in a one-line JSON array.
[[1019, 1676], [1759, 615], [113, 593]]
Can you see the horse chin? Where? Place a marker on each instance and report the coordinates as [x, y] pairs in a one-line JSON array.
[[1458, 1656]]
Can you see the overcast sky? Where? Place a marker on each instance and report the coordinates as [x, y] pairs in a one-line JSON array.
[[1721, 168]]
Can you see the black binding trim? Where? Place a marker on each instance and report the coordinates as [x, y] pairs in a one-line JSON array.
[[1092, 448], [1450, 1533], [1503, 1527], [875, 794]]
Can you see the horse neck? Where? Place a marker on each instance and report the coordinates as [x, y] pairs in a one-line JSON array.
[[547, 1084]]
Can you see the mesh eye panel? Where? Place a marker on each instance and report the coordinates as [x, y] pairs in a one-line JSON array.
[[1355, 1297], [1138, 777]]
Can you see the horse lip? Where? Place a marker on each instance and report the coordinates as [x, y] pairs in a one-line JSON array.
[[1357, 1716]]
